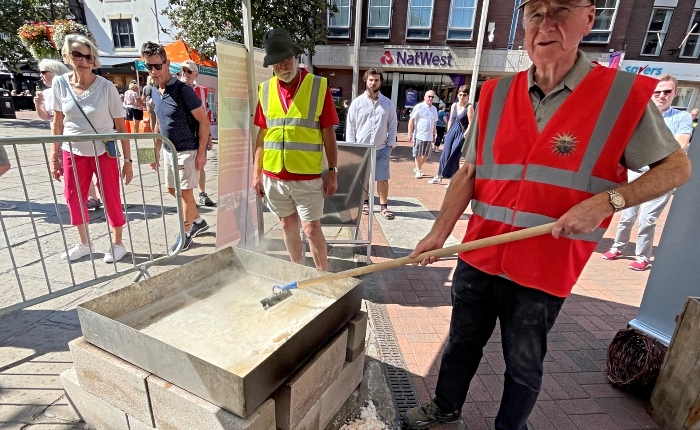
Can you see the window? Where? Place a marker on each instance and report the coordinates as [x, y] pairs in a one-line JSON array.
[[122, 33], [605, 12], [339, 22], [379, 19], [461, 23], [420, 15], [691, 47], [682, 100], [658, 26]]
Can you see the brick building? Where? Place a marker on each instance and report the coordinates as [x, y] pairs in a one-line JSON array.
[[431, 44]]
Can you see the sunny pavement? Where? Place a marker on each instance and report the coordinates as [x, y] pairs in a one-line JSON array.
[[575, 395]]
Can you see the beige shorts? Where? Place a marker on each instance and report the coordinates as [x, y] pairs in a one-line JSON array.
[[286, 197], [189, 174]]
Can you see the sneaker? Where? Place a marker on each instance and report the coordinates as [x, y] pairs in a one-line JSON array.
[[612, 254], [205, 200], [116, 253], [185, 246], [435, 180], [640, 265], [79, 250], [419, 173], [93, 203], [198, 228], [7, 206], [422, 417]]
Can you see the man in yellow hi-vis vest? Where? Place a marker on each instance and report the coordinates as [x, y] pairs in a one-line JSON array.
[[296, 116]]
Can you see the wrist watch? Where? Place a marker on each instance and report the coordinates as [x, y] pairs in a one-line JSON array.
[[333, 169], [128, 160], [616, 200]]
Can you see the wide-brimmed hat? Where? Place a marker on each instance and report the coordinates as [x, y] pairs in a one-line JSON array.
[[279, 46]]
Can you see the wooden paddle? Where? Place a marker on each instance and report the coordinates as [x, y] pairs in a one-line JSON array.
[[281, 293]]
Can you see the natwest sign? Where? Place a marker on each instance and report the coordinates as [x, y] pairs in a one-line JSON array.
[[416, 58]]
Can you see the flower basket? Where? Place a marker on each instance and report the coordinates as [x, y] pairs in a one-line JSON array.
[[36, 37], [63, 27]]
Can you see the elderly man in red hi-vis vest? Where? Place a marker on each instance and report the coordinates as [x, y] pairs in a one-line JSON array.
[[296, 116], [547, 144]]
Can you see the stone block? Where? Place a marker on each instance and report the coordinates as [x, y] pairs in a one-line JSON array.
[[357, 330], [340, 390], [351, 355], [94, 411], [177, 409], [296, 397], [114, 380], [135, 424]]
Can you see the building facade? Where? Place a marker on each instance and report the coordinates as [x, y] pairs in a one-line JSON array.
[[431, 44]]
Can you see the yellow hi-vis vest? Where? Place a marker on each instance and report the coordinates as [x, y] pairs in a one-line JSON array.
[[293, 140]]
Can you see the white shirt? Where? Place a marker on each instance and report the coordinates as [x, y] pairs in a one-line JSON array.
[[424, 120], [100, 102], [48, 100], [372, 122]]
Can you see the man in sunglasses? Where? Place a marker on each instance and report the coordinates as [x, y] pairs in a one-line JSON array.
[[681, 125], [546, 145], [181, 118]]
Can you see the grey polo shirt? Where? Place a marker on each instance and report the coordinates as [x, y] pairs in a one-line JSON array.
[[650, 142]]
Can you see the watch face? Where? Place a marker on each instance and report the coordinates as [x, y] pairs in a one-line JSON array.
[[617, 200]]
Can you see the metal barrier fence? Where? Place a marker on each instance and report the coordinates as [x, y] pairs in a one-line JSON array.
[[39, 229]]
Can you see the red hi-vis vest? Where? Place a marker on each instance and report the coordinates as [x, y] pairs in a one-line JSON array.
[[525, 178]]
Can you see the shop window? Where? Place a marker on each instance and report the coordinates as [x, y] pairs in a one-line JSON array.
[[122, 33], [339, 22], [379, 19], [420, 16], [682, 100], [656, 33], [461, 20], [605, 12], [691, 47]]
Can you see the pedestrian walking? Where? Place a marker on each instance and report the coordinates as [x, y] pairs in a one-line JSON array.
[[181, 118], [134, 106], [441, 126], [422, 130], [148, 102], [190, 71], [296, 115], [548, 151], [680, 124], [372, 119], [85, 103], [461, 115]]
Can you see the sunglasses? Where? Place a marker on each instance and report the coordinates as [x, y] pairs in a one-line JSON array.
[[77, 56], [431, 97], [156, 66], [43, 72], [665, 92], [188, 71]]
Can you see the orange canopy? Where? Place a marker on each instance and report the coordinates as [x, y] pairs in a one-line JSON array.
[[180, 51]]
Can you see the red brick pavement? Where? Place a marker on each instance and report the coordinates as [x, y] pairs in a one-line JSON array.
[[576, 393]]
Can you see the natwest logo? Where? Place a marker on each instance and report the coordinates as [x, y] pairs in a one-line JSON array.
[[418, 58], [387, 59]]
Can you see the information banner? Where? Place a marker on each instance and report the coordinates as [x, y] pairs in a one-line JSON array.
[[237, 217]]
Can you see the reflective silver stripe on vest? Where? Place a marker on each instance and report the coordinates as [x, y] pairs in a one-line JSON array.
[[498, 102], [503, 172], [308, 122], [264, 98], [581, 180], [293, 146], [525, 219]]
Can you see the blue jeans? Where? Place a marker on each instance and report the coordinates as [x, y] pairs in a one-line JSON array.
[[526, 315]]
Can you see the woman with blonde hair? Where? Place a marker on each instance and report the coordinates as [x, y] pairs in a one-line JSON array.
[[85, 103], [134, 106]]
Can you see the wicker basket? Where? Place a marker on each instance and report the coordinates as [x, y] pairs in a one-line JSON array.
[[634, 360]]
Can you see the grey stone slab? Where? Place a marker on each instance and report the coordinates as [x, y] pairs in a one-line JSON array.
[[93, 410], [112, 379], [412, 222], [357, 329], [135, 424], [177, 409]]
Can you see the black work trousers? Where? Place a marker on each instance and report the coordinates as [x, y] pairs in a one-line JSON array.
[[526, 315]]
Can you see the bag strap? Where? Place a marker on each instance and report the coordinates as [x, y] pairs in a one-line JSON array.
[[70, 91]]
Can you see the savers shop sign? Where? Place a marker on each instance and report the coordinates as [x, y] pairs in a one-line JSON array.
[[416, 59]]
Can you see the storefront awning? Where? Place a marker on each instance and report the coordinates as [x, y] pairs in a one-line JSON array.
[[115, 61]]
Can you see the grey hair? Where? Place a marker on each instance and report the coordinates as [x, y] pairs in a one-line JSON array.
[[53, 66], [81, 40]]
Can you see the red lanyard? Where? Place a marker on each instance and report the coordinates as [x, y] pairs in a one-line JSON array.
[[284, 99]]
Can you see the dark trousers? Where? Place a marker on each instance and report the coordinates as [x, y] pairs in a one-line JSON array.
[[526, 316], [440, 135]]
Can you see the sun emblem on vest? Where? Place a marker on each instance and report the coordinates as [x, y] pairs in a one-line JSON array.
[[564, 144]]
